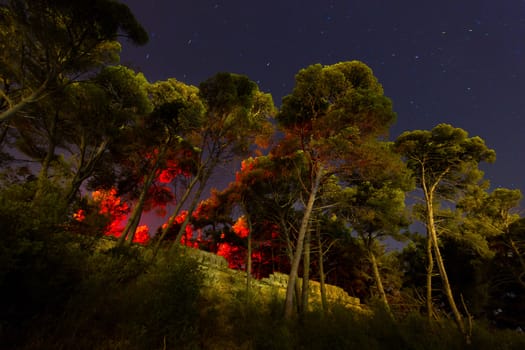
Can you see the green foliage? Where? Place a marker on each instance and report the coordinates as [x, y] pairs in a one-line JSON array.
[[40, 264], [166, 302], [257, 323], [45, 42], [106, 299], [237, 113], [444, 158], [327, 100], [177, 106], [225, 92]]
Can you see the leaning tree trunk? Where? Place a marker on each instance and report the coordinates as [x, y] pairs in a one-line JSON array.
[[322, 286], [171, 220], [192, 207], [289, 253], [306, 274], [85, 168], [441, 266], [249, 257], [136, 214], [430, 270], [13, 110], [134, 218], [377, 278], [305, 223]]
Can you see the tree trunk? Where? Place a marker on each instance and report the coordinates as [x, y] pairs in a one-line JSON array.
[[441, 266], [322, 287], [377, 277], [305, 223], [134, 219], [85, 169], [249, 256], [12, 111], [133, 226], [289, 252], [306, 274], [430, 270], [192, 207], [171, 220]]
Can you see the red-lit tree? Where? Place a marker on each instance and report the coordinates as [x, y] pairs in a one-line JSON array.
[[236, 115], [263, 191], [159, 154], [115, 211]]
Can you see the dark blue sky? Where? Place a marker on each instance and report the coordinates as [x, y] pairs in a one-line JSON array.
[[459, 62]]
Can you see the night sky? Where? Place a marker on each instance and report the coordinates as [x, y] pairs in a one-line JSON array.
[[450, 61]]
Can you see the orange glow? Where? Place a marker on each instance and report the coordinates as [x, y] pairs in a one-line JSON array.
[[80, 215], [142, 235], [112, 206], [241, 227], [187, 238], [171, 171], [116, 211], [233, 254]]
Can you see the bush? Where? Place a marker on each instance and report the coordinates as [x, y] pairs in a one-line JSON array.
[[40, 267], [165, 300]]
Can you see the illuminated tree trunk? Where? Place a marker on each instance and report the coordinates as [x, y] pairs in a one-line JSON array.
[[305, 223], [134, 218], [289, 252], [306, 273], [439, 260], [249, 256], [171, 220], [430, 270], [192, 207], [377, 278], [322, 286]]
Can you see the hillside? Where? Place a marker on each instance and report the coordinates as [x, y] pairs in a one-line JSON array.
[[228, 283]]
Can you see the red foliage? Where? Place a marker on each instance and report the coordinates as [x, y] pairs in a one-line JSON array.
[[235, 255], [172, 170], [80, 215], [158, 199], [112, 207], [247, 166], [232, 252], [241, 227], [142, 235], [187, 238]]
